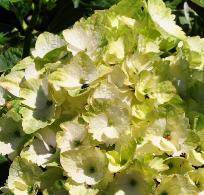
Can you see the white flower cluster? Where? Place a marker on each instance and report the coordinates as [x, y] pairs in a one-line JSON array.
[[113, 106]]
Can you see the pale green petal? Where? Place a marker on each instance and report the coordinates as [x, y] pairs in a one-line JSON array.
[[52, 182], [176, 184], [141, 111], [35, 93], [146, 45], [33, 120], [46, 42], [107, 127], [158, 164], [82, 38], [81, 70], [155, 145], [12, 81], [163, 19], [117, 76], [115, 52], [81, 190], [195, 52], [23, 64], [196, 158], [73, 136], [23, 177], [2, 94], [129, 183], [197, 177], [177, 165], [31, 72], [120, 158], [42, 148], [11, 135], [89, 168]]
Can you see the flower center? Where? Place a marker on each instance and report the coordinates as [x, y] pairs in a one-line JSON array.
[[77, 143], [198, 149], [197, 183], [17, 133], [124, 161], [110, 122], [164, 193], [92, 169], [30, 189], [170, 165], [133, 182], [167, 135], [49, 103]]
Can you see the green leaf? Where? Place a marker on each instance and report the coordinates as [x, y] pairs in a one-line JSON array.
[[199, 2], [76, 3], [5, 4], [9, 58], [104, 3], [173, 3], [3, 38], [20, 7], [2, 159], [49, 3]]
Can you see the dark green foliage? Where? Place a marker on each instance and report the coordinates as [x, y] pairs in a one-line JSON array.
[[189, 15], [4, 169], [9, 58], [3, 38]]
